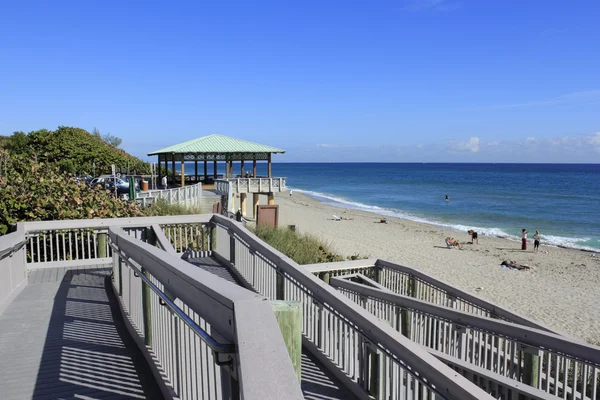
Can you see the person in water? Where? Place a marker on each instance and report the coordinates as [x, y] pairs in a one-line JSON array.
[[447, 198], [524, 239]]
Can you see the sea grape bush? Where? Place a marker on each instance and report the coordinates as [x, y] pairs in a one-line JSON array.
[[37, 191], [73, 150]]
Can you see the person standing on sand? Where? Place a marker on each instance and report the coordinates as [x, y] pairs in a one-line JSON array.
[[524, 239], [163, 182], [536, 241]]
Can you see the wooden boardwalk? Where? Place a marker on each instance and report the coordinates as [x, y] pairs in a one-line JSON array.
[[63, 337], [317, 383]]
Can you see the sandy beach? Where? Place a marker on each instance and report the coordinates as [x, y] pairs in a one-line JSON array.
[[560, 290]]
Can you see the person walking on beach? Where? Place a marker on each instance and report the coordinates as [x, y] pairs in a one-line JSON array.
[[524, 239], [536, 241]]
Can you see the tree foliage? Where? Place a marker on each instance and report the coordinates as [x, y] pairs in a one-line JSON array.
[[108, 138], [32, 191], [75, 150]]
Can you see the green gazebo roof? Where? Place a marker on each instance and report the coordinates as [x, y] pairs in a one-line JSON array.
[[217, 144]]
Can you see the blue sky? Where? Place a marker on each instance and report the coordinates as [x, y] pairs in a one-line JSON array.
[[414, 80]]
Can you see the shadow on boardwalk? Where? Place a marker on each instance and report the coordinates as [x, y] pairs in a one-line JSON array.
[[72, 342]]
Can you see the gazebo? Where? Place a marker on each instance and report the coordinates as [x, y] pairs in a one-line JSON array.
[[215, 148], [218, 148]]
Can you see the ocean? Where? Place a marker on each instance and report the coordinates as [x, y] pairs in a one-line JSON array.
[[562, 201]]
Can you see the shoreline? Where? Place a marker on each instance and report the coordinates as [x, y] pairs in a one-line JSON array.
[[386, 213], [559, 290]]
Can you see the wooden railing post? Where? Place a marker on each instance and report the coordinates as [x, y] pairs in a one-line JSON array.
[[372, 372], [146, 293], [279, 286], [289, 319], [406, 315], [212, 242], [231, 248], [101, 245], [531, 365]]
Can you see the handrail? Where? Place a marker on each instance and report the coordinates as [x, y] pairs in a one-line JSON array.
[[11, 248], [424, 366], [215, 345], [461, 294], [34, 226], [526, 335]]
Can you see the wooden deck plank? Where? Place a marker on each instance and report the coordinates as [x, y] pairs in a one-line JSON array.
[[63, 337]]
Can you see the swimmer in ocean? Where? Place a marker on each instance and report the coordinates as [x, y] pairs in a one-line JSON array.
[[447, 198]]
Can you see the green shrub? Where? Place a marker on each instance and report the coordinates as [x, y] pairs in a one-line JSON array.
[[302, 248], [73, 150], [31, 191]]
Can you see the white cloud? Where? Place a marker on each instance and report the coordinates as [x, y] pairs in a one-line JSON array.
[[471, 145], [594, 140], [328, 146], [530, 139]]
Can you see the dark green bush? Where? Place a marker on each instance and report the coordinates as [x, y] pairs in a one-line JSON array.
[[32, 191]]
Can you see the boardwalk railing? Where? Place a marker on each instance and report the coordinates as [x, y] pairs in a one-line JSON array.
[[414, 283], [209, 336], [188, 316], [187, 195], [250, 185], [13, 272], [371, 358], [556, 365]]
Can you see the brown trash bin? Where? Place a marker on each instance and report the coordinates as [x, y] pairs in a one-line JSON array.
[[144, 186]]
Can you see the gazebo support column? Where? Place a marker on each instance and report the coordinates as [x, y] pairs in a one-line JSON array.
[[205, 170], [232, 202], [242, 168], [269, 160], [254, 167], [230, 168], [159, 168], [173, 168], [243, 203], [227, 173], [183, 172], [215, 169], [271, 197], [196, 169], [255, 198]]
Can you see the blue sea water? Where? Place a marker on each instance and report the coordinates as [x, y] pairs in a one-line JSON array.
[[562, 201]]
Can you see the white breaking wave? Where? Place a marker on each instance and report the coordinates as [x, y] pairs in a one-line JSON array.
[[575, 243]]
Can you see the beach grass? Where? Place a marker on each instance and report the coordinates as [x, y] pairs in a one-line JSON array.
[[161, 207], [302, 248]]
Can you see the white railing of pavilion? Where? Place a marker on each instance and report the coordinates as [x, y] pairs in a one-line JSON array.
[[559, 366], [250, 185], [187, 195], [13, 271], [208, 336], [371, 358]]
